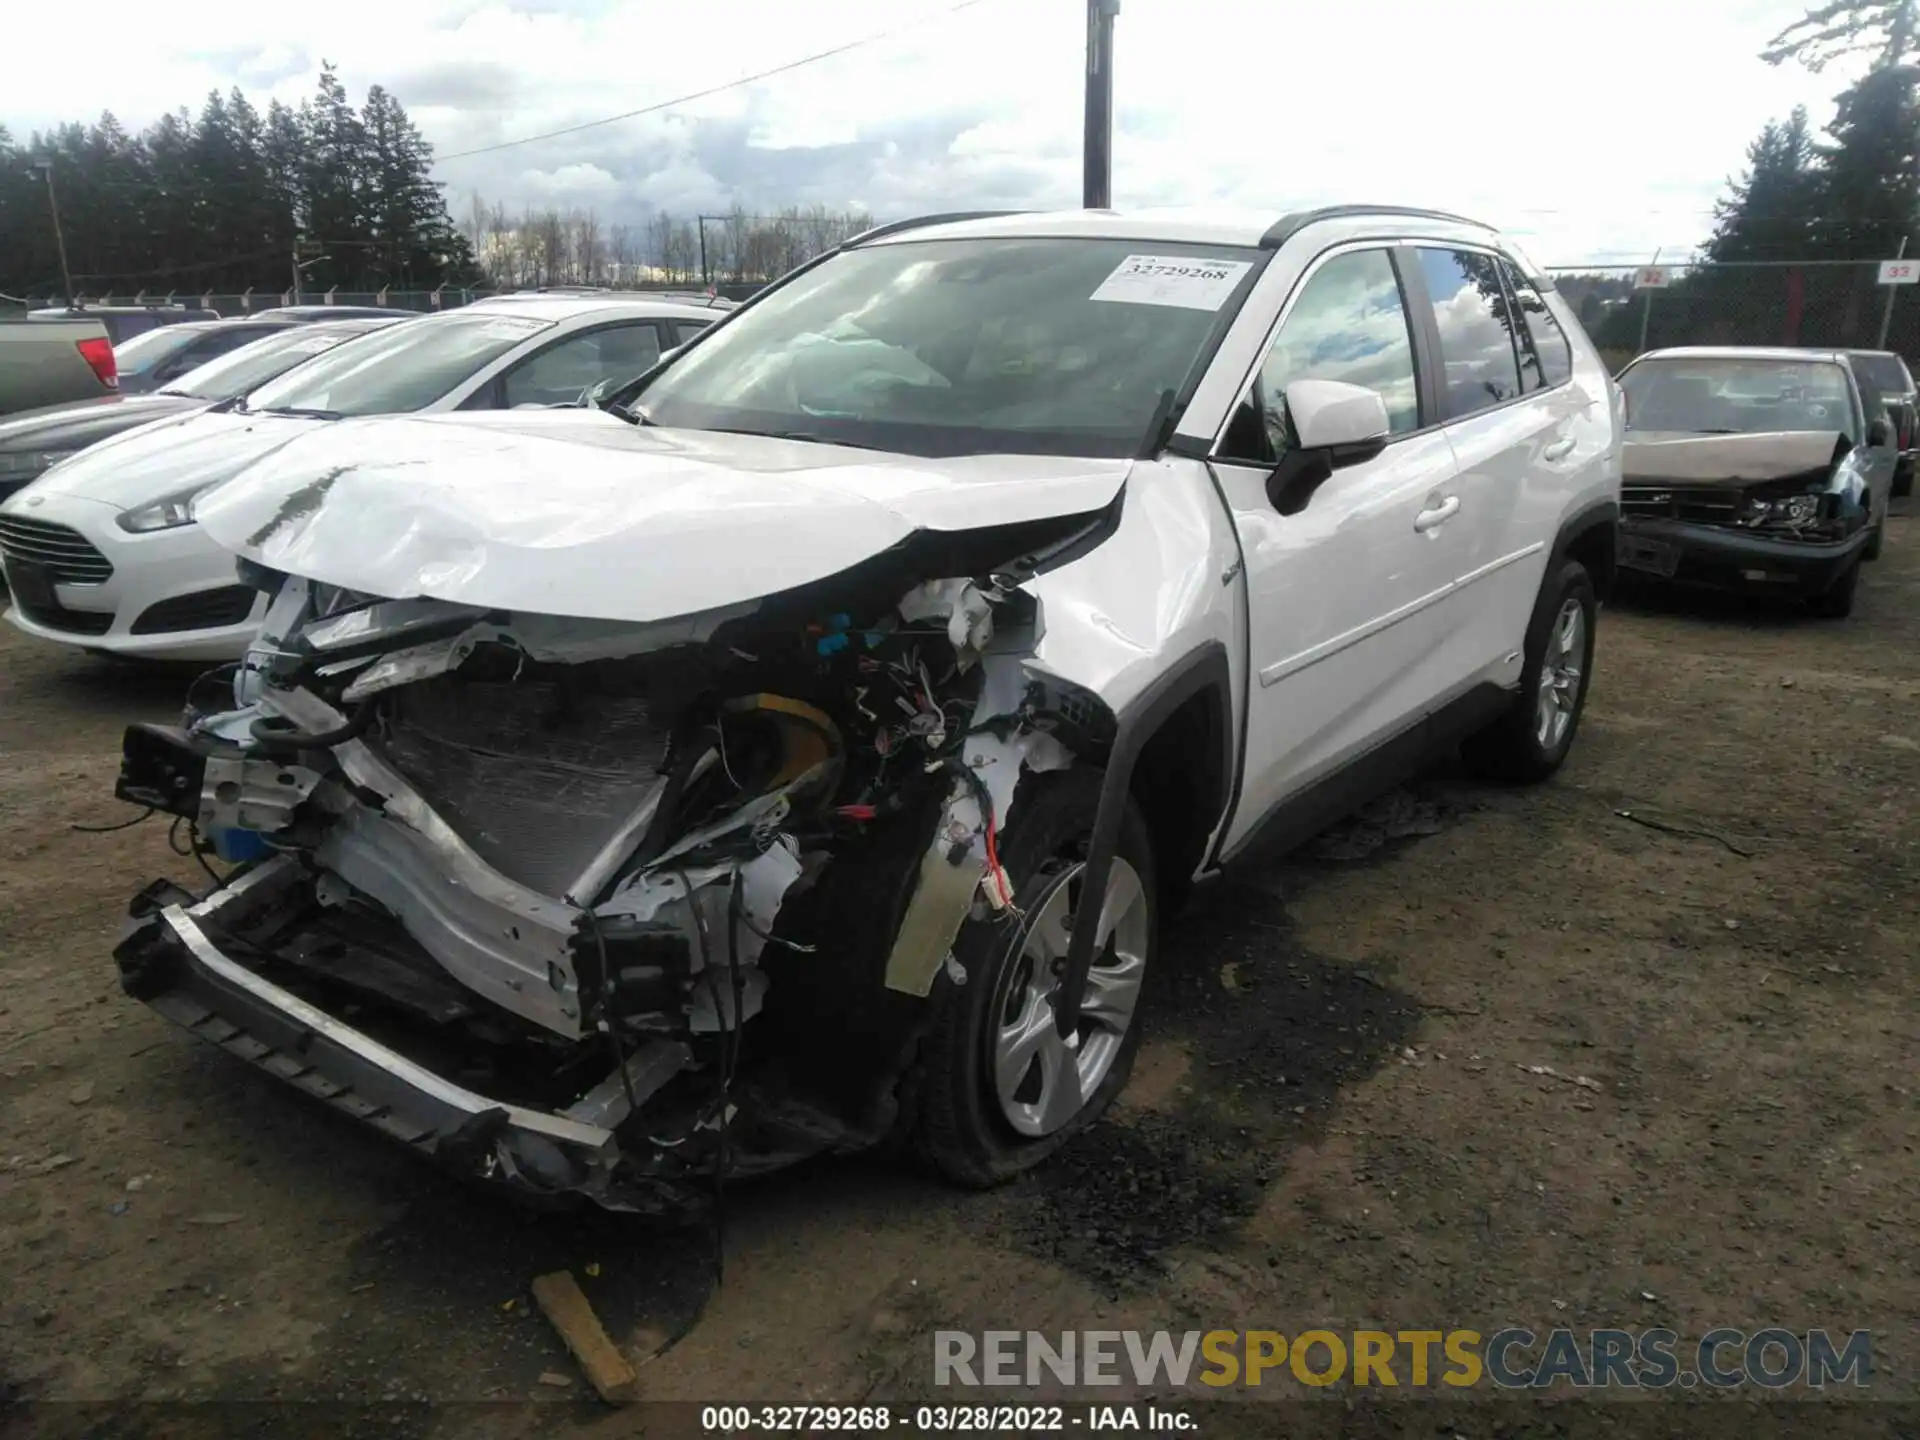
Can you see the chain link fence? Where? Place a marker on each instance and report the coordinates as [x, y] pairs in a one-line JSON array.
[[1821, 303], [257, 302], [1836, 304]]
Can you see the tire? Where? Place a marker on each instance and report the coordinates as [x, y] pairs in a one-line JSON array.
[[1836, 601], [1522, 746], [965, 1129], [1876, 538], [1903, 480]]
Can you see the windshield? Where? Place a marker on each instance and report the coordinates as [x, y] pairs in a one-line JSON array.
[[961, 347], [259, 361], [1737, 397], [402, 368], [139, 355]]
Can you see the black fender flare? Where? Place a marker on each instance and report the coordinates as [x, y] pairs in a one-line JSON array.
[[1200, 669], [1600, 514]]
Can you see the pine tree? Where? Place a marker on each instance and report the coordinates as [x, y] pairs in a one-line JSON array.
[[1769, 213], [220, 201], [333, 178], [1889, 30], [1869, 192]]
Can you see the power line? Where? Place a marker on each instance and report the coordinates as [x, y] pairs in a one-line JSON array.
[[872, 39]]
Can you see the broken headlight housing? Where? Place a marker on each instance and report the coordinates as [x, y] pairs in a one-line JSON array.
[[1793, 512]]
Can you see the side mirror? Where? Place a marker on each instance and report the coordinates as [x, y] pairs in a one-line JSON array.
[[1347, 421], [1334, 425], [1879, 432]]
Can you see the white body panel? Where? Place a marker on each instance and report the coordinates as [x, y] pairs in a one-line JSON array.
[[144, 465], [1346, 605], [576, 513]]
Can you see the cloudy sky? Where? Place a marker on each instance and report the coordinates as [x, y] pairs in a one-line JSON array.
[[1592, 131]]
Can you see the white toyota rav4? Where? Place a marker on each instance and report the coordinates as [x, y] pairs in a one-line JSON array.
[[807, 748]]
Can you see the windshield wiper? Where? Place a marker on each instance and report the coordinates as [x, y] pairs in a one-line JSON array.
[[804, 436], [632, 414], [299, 412]]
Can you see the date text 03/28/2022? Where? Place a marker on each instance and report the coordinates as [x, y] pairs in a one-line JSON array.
[[944, 1419]]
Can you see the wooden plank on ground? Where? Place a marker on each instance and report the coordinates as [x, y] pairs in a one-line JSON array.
[[567, 1309]]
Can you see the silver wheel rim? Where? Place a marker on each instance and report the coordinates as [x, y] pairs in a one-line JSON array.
[[1560, 675], [1041, 1078]]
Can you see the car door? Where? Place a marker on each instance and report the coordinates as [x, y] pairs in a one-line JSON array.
[[1342, 597], [1515, 427], [1877, 462]]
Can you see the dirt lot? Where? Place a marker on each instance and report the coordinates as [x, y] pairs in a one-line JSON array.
[[1334, 1122]]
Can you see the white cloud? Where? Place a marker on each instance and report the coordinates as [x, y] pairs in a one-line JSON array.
[[1588, 129]]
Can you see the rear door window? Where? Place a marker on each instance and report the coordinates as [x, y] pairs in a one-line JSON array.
[[1476, 322], [1546, 359]]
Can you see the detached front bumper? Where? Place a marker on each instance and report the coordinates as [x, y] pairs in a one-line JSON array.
[[170, 959], [1693, 554]]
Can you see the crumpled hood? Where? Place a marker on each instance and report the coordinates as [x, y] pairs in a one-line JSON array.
[[70, 427], [577, 513], [1662, 456], [168, 456]]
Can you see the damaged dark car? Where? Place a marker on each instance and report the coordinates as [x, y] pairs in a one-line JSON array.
[[1753, 469]]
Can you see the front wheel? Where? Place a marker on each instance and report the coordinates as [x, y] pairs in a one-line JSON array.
[[1532, 738], [1001, 1089]]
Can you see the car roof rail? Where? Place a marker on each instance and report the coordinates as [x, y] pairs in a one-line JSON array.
[[894, 227], [1287, 226]]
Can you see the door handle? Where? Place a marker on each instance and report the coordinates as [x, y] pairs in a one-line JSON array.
[[1558, 450], [1437, 514]]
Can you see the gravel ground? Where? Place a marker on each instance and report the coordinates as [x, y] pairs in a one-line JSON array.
[[1481, 1058]]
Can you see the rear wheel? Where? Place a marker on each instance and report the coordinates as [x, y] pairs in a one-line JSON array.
[[1532, 738], [1001, 1089], [1875, 539]]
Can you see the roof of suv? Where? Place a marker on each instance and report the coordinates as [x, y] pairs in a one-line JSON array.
[[1745, 352], [572, 307], [1248, 228]]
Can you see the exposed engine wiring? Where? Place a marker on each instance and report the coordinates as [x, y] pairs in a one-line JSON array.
[[609, 1021], [725, 1102], [146, 814]]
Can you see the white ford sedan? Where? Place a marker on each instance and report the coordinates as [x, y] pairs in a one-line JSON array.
[[102, 551]]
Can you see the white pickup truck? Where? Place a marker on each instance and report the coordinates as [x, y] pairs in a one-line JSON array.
[[808, 747]]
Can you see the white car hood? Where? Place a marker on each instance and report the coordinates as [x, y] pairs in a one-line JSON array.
[[577, 513], [168, 456]]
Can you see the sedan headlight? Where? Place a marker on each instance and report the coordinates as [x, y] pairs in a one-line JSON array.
[[1793, 510], [26, 464], [168, 513]]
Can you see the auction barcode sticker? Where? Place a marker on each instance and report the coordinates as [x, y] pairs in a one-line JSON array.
[[1178, 280]]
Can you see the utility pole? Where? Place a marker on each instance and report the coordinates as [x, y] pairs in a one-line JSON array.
[[44, 165], [1096, 172], [1886, 310], [300, 267], [1646, 310]]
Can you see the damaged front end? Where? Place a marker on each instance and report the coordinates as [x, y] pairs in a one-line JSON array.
[[606, 909]]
